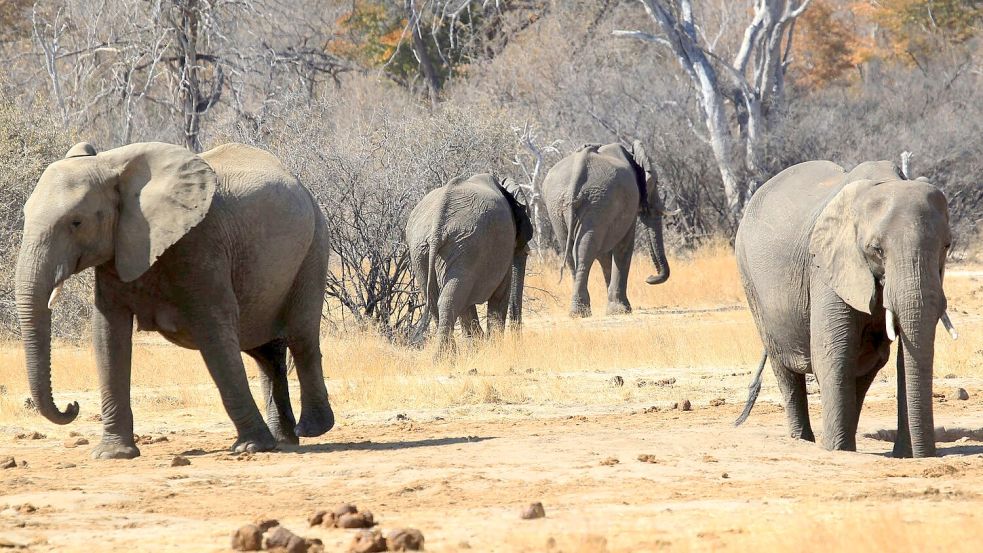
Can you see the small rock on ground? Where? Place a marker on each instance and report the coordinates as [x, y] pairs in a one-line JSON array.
[[959, 394], [179, 461], [266, 523], [648, 458], [717, 402], [684, 405], [616, 381], [363, 519], [609, 462], [534, 510], [7, 463], [30, 436], [75, 442]]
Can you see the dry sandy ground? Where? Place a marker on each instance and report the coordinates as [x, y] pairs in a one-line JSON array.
[[463, 475]]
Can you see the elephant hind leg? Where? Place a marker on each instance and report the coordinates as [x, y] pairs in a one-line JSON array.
[[451, 304], [272, 360], [793, 388], [498, 307], [618, 283], [585, 247], [471, 324]]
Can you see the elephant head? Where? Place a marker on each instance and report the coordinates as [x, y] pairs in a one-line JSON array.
[[523, 234], [651, 211], [122, 207], [881, 243]]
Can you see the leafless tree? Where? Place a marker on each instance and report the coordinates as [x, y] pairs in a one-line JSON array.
[[753, 82]]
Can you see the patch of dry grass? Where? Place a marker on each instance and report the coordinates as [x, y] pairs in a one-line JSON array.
[[555, 360]]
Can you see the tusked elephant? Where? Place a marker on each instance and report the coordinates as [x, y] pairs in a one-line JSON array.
[[593, 197], [221, 252], [468, 245], [836, 265]]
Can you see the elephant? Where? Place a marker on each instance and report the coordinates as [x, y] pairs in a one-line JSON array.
[[220, 252], [592, 197], [468, 245], [836, 265]]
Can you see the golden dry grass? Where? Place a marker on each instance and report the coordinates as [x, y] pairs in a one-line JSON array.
[[694, 323]]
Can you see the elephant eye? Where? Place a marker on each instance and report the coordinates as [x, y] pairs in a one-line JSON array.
[[76, 224], [877, 250]]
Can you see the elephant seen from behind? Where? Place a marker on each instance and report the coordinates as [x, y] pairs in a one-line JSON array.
[[836, 265], [468, 245], [593, 197], [223, 252]]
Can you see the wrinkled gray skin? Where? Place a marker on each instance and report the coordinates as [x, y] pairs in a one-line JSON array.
[[467, 242], [822, 254], [593, 198], [221, 252]]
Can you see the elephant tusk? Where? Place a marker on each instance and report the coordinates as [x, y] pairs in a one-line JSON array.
[[672, 213], [54, 296], [948, 325], [892, 333]]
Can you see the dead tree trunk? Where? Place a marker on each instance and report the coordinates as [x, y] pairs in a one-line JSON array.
[[752, 89]]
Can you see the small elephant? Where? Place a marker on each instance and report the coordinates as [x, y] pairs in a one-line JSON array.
[[593, 197], [836, 265], [221, 252], [468, 245]]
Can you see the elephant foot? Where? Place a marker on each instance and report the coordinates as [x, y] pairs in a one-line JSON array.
[[314, 422], [115, 450], [841, 444], [580, 311], [902, 451], [262, 441], [618, 308], [283, 434]]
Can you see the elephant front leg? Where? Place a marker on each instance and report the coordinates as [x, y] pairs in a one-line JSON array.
[[112, 334], [834, 349]]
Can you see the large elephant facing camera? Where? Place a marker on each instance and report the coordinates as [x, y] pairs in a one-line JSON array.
[[468, 245], [836, 265], [221, 252], [593, 197]]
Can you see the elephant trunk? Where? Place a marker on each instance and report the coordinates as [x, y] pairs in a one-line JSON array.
[[652, 223], [918, 315], [518, 283], [36, 279]]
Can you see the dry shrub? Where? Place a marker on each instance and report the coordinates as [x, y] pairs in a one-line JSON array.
[[29, 141]]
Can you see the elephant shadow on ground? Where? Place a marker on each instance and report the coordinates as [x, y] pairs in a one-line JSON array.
[[942, 435], [365, 445], [369, 445]]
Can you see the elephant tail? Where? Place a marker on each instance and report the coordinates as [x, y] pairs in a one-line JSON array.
[[573, 225], [753, 390]]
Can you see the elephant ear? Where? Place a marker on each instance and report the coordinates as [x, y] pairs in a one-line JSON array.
[[165, 190], [518, 203], [643, 167], [836, 248], [81, 149]]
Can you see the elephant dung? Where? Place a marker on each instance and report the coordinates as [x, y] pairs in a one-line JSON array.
[[30, 436], [616, 381], [266, 523], [367, 541], [281, 538], [684, 405], [363, 519], [8, 463], [533, 510], [404, 539], [317, 518], [247, 538], [717, 402], [179, 461]]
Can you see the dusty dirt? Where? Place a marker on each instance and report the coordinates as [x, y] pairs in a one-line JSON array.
[[700, 484]]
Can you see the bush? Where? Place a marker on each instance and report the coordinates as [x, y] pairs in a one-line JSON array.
[[28, 143]]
